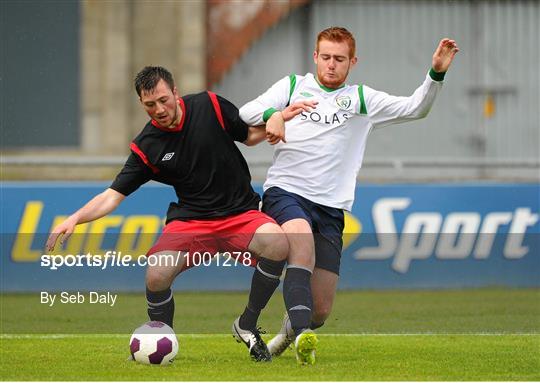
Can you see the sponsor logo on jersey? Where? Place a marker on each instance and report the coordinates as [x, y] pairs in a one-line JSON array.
[[343, 102], [306, 94], [167, 156], [328, 119]]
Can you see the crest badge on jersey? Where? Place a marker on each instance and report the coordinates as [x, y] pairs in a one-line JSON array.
[[343, 102]]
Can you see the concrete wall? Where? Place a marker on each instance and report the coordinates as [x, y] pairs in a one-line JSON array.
[[118, 39], [67, 77], [86, 104]]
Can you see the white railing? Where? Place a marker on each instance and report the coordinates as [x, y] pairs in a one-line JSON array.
[[393, 163]]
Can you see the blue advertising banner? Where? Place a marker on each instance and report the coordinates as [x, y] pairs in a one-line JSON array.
[[397, 236]]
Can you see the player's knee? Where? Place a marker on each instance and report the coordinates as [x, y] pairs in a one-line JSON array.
[[321, 312], [156, 281], [275, 247]]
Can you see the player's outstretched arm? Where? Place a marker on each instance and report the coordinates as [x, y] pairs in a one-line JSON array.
[[385, 109], [443, 55], [97, 207]]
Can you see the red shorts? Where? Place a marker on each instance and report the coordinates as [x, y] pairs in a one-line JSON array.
[[210, 236]]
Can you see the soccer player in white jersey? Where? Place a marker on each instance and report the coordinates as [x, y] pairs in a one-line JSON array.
[[313, 175]]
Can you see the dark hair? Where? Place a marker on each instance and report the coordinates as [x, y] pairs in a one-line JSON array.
[[338, 35], [149, 76]]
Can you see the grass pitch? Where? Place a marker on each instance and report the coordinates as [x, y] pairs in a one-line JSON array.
[[485, 334]]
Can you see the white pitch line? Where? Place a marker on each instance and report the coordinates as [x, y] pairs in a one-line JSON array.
[[67, 336]]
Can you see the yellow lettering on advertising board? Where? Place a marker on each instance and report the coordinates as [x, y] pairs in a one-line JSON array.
[[141, 229], [353, 228], [137, 234], [22, 247], [97, 230]]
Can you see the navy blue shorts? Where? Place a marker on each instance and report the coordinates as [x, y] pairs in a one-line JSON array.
[[326, 223]]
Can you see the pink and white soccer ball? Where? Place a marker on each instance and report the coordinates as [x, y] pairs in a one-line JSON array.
[[154, 343]]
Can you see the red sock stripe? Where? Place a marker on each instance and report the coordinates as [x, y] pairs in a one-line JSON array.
[[143, 157], [217, 108]]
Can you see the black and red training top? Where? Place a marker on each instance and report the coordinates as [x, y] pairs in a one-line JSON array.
[[198, 158]]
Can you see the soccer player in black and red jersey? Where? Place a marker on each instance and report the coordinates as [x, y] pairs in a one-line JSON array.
[[189, 144]]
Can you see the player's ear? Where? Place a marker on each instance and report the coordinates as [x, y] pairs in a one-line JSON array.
[[315, 55], [175, 92], [354, 60]]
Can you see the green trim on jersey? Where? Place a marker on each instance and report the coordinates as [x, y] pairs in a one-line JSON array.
[[292, 80], [436, 76], [268, 113], [326, 89], [363, 109]]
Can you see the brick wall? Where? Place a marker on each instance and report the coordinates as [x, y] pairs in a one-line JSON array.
[[233, 26]]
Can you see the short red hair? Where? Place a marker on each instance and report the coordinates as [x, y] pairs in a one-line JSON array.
[[338, 35]]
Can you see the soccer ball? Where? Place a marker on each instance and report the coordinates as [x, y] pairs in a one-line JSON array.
[[153, 343]]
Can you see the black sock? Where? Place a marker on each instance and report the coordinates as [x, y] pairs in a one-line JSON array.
[[160, 306], [297, 296], [315, 326], [263, 284]]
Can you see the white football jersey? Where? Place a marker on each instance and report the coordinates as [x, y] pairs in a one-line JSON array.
[[325, 147]]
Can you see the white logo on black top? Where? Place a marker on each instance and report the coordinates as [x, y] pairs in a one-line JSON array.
[[167, 156]]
